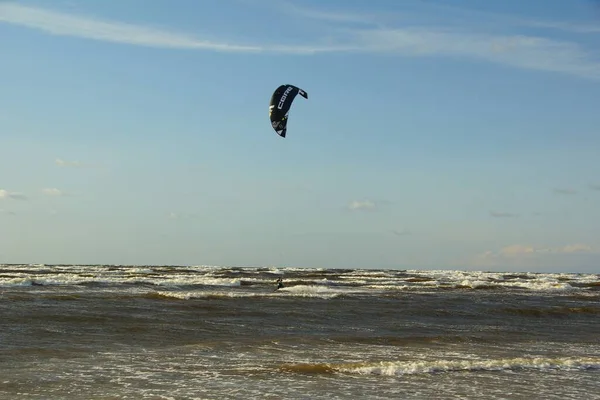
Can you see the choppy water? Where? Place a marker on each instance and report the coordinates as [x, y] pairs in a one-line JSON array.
[[150, 332]]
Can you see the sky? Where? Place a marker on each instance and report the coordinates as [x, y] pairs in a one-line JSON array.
[[436, 134]]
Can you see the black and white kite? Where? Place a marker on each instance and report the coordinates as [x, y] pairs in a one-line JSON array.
[[279, 108]]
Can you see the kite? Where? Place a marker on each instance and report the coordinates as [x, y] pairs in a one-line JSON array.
[[279, 108]]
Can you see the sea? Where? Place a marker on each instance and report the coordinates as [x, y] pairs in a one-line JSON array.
[[210, 332]]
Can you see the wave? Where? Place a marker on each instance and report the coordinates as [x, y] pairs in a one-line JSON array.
[[393, 368], [294, 291], [298, 281]]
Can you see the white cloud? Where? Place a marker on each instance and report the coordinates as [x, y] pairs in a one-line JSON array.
[[576, 248], [518, 250], [514, 250], [75, 164], [53, 192], [516, 50], [63, 163], [452, 14], [529, 256], [362, 205], [463, 33], [564, 26], [528, 52], [5, 194], [64, 24]]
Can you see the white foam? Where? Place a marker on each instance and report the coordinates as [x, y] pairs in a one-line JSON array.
[[197, 294], [319, 291], [426, 367]]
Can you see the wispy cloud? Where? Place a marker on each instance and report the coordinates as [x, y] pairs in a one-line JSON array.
[[462, 31], [516, 50], [563, 26], [63, 24], [422, 13], [519, 249], [5, 194], [73, 164], [529, 52], [500, 214], [358, 205], [53, 192], [58, 23], [521, 51], [595, 187], [529, 256], [401, 232], [576, 248], [62, 163], [176, 215]]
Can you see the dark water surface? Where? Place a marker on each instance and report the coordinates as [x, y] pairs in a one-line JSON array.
[[148, 332]]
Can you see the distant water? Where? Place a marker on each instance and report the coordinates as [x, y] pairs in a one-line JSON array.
[[148, 332]]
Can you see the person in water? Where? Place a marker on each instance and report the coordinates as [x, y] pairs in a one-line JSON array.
[[279, 283]]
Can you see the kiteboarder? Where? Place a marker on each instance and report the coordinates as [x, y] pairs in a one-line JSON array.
[[279, 283]]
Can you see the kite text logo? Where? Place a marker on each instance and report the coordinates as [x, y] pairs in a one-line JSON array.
[[285, 94]]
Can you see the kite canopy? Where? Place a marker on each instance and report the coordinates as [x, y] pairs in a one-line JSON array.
[[279, 108]]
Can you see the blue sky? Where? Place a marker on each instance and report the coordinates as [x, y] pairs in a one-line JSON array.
[[436, 134]]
